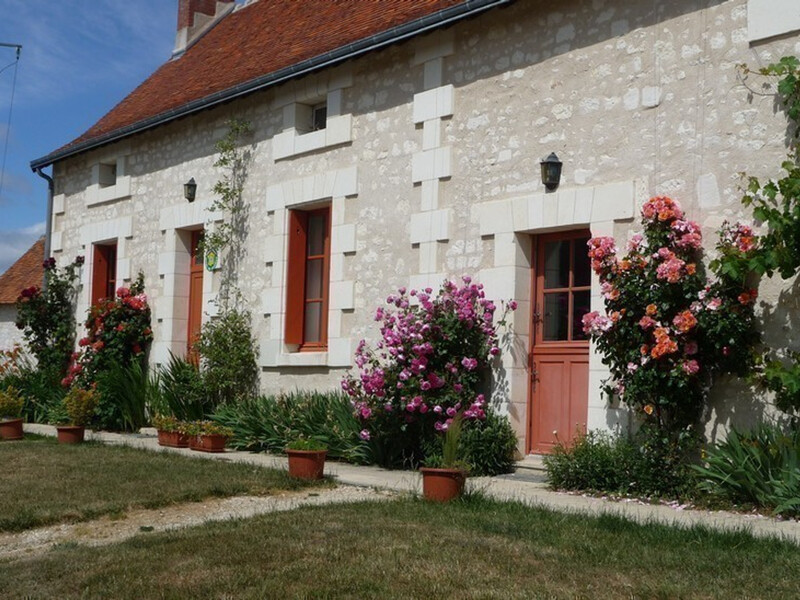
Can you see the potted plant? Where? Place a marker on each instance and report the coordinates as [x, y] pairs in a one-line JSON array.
[[79, 404], [170, 432], [306, 458], [11, 404], [207, 436], [444, 475]]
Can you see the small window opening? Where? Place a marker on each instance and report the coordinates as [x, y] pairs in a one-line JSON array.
[[319, 116], [108, 174]]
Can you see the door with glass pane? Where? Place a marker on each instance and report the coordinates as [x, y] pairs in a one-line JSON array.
[[560, 352]]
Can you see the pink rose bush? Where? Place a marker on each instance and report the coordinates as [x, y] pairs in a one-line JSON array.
[[429, 364], [667, 329], [117, 332]]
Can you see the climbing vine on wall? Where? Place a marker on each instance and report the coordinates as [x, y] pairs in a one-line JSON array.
[[228, 190], [776, 203]]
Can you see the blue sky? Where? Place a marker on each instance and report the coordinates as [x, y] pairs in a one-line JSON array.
[[79, 59]]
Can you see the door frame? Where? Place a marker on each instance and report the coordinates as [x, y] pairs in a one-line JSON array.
[[534, 332]]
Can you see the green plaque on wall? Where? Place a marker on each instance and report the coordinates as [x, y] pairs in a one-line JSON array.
[[212, 260]]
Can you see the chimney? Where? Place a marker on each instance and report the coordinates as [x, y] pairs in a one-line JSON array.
[[195, 17]]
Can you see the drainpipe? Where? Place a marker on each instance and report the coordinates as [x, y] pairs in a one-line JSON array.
[[49, 222]]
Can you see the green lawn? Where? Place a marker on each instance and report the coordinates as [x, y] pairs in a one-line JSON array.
[[42, 482], [412, 549]]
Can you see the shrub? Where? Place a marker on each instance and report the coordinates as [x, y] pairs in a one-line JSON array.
[[123, 399], [177, 390], [118, 332], [11, 403], [39, 386], [430, 364], [760, 467], [600, 462], [228, 354], [271, 422], [307, 445], [204, 427], [667, 329], [489, 445], [168, 424], [450, 454], [46, 316], [42, 391], [80, 404]]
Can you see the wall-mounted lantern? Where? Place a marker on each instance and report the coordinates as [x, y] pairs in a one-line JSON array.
[[190, 190], [551, 171]]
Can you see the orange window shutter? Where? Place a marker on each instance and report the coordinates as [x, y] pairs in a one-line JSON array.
[[295, 279]]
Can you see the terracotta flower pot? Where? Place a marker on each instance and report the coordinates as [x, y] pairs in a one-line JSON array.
[[306, 464], [173, 439], [442, 485], [11, 429], [208, 442], [70, 434]]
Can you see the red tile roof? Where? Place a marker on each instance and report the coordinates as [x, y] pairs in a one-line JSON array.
[[256, 40], [26, 272]]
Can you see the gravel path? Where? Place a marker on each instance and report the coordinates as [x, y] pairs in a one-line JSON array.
[[108, 530]]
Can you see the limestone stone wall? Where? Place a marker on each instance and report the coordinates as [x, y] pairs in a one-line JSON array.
[[430, 164]]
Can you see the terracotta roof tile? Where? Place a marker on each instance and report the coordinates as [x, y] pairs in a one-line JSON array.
[[256, 40], [26, 272]]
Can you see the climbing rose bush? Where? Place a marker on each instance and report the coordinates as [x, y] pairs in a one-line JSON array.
[[117, 332], [667, 329], [428, 366], [45, 316]]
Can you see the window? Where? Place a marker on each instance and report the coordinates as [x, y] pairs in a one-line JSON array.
[[564, 287], [310, 117], [308, 275], [104, 271], [108, 174], [110, 180], [319, 117]]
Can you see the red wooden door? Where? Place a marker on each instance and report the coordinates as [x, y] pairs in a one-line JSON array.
[[560, 352], [195, 293]]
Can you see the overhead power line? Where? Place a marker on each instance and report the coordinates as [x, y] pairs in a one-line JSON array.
[[15, 64]]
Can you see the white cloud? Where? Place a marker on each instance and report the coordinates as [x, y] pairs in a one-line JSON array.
[[15, 242]]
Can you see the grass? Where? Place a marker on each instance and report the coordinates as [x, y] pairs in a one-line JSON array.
[[475, 548], [42, 482]]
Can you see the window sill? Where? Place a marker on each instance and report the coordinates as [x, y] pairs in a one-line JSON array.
[[304, 358], [291, 143], [119, 191]]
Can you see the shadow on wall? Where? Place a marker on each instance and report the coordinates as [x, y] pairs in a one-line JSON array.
[[736, 403], [780, 319]]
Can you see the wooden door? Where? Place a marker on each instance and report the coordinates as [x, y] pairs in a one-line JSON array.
[[559, 357], [195, 293], [104, 272]]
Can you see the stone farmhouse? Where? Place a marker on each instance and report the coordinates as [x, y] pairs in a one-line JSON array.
[[396, 143]]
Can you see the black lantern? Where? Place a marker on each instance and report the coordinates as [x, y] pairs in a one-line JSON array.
[[190, 190], [551, 171]]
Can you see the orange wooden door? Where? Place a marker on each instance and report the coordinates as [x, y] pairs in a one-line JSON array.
[[560, 353], [195, 293]]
